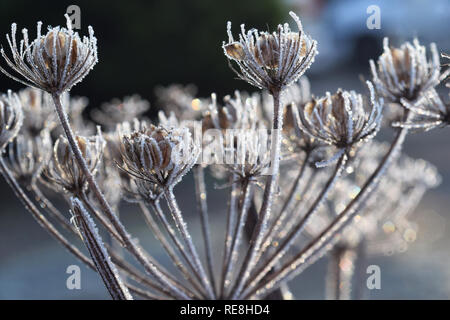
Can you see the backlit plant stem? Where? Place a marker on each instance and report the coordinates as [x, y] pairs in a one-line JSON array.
[[297, 230], [182, 227], [202, 206], [269, 193], [128, 241], [294, 265]]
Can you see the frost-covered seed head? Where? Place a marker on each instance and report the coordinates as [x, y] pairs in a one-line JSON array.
[[11, 118], [405, 72], [63, 170], [38, 111], [341, 119], [27, 155], [159, 155], [271, 61], [429, 111], [53, 62], [118, 111]]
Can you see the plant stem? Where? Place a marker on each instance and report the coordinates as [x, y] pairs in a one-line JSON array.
[[320, 242], [43, 222], [202, 207], [246, 196], [149, 266], [182, 227], [277, 224], [269, 193], [231, 221], [99, 255], [165, 244], [340, 273], [299, 227]]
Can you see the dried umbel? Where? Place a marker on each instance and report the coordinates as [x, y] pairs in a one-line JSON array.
[[341, 119], [63, 171], [429, 112], [11, 118], [27, 155], [118, 111], [238, 112], [159, 155], [38, 111], [271, 61], [405, 72], [53, 62]]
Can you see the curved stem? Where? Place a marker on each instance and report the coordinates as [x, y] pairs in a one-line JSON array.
[[182, 227], [48, 206], [297, 230], [269, 193], [284, 212], [246, 196], [314, 248], [165, 244], [135, 250], [231, 221], [202, 206], [43, 222], [94, 243], [340, 273]]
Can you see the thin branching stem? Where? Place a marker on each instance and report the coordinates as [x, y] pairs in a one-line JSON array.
[[101, 218], [40, 218], [134, 249], [340, 273], [231, 221], [48, 206], [299, 227], [186, 236], [269, 194], [202, 207], [153, 226], [99, 254], [295, 264], [246, 198], [284, 212]]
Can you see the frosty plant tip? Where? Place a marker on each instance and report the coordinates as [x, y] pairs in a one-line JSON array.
[[271, 61], [53, 62]]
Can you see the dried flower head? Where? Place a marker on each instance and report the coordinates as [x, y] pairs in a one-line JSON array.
[[405, 72], [27, 155], [238, 112], [11, 117], [53, 62], [38, 111], [118, 111], [341, 120], [63, 171], [159, 155], [429, 112], [181, 100], [271, 61]]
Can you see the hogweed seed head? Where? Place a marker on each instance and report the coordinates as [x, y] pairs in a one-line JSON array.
[[11, 118], [405, 72], [341, 119], [271, 61], [63, 171], [159, 155], [38, 111], [429, 110], [27, 155], [53, 62], [118, 111]]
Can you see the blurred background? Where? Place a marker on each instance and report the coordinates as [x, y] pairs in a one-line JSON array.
[[144, 44]]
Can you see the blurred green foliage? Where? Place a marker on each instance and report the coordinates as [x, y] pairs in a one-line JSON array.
[[146, 43]]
